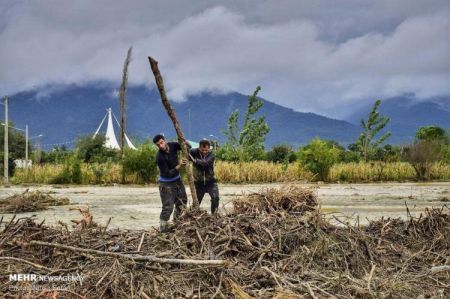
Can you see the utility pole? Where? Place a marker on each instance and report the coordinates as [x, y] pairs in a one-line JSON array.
[[5, 151], [26, 147]]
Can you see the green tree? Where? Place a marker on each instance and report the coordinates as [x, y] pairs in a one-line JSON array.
[[56, 155], [90, 150], [432, 133], [282, 153], [366, 142], [318, 157], [246, 144]]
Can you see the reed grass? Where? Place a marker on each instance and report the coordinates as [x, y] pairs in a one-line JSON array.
[[245, 172]]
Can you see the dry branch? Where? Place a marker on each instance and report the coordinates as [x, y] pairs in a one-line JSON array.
[[134, 257], [272, 239], [176, 124]]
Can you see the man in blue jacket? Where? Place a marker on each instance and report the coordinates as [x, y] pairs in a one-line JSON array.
[[204, 179], [171, 188]]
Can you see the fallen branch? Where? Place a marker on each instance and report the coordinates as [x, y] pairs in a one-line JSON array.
[[135, 257], [438, 269], [25, 262], [176, 124]]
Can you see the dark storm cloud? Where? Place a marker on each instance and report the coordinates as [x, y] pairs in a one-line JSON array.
[[321, 56]]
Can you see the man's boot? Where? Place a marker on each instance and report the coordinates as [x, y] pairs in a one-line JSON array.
[[214, 205], [163, 226]]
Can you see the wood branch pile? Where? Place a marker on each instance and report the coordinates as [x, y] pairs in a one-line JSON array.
[[275, 244], [30, 202]]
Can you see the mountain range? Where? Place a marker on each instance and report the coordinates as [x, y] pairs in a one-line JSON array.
[[65, 112]]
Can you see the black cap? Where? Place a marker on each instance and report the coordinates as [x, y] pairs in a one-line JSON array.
[[158, 138], [204, 141]]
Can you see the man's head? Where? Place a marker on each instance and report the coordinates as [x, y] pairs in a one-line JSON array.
[[204, 146], [160, 141]]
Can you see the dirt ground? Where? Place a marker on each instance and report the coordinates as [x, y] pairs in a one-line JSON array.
[[138, 207]]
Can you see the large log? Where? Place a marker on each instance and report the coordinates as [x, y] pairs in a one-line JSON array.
[[131, 256], [176, 124]]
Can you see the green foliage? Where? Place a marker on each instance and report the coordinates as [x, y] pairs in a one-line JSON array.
[[365, 143], [246, 144], [348, 156], [282, 153], [11, 165], [57, 155], [432, 133], [71, 173], [91, 150], [387, 153], [99, 171], [446, 154], [318, 157], [141, 162], [16, 143]]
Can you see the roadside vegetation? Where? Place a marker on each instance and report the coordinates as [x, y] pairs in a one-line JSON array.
[[244, 159]]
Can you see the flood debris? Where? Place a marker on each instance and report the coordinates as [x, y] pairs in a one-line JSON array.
[[30, 201], [84, 222], [273, 244]]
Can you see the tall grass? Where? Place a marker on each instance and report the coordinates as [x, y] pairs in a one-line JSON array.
[[107, 173], [380, 171], [245, 172], [259, 172]]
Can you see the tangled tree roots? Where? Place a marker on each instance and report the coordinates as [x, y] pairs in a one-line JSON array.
[[30, 202], [275, 243]]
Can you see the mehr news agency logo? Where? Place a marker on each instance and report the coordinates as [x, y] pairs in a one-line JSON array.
[[36, 278]]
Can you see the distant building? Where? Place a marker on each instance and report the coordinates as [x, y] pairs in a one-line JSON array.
[[110, 136], [22, 163]]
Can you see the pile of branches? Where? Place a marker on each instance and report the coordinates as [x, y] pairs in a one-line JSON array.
[[273, 244], [30, 202]]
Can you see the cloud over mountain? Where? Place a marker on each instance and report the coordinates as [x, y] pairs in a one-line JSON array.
[[309, 56]]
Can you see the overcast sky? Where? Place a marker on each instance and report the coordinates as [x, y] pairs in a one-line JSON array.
[[320, 56]]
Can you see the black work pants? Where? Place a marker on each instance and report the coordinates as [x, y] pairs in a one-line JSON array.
[[172, 194], [213, 190]]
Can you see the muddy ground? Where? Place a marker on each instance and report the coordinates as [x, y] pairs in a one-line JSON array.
[[138, 207]]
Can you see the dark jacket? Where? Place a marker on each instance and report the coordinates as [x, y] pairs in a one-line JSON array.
[[203, 167], [168, 161]]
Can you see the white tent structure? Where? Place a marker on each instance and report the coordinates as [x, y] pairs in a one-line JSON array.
[[111, 140]]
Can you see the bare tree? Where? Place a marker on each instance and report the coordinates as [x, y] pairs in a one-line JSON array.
[[123, 99], [422, 154]]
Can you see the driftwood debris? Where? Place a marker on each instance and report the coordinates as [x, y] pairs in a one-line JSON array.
[[176, 124], [30, 201], [86, 221], [134, 257], [276, 242]]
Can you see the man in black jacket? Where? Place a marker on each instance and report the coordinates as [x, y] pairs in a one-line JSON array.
[[171, 188], [205, 182]]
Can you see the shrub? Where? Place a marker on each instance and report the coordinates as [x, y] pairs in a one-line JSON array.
[[282, 153], [90, 150], [141, 162], [422, 154], [318, 157], [71, 172]]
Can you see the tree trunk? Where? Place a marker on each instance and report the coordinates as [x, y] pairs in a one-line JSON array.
[[123, 103], [173, 117]]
